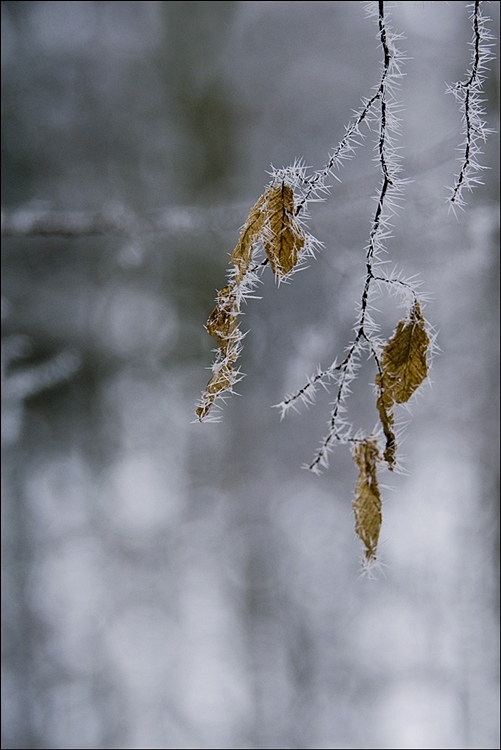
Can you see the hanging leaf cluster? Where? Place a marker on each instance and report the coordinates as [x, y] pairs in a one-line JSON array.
[[270, 224], [403, 367], [273, 235]]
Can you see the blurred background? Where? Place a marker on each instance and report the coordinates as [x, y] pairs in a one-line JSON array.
[[168, 584]]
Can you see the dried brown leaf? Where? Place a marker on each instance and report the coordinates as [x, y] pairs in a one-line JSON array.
[[270, 220], [367, 503], [403, 368], [242, 254], [403, 360], [222, 324], [222, 321], [221, 381], [284, 241]]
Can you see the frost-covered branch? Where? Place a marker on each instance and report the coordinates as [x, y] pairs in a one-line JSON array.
[[391, 187], [275, 235], [469, 94]]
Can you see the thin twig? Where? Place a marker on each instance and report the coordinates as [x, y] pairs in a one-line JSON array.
[[469, 95]]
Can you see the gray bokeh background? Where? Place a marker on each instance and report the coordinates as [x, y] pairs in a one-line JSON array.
[[168, 584]]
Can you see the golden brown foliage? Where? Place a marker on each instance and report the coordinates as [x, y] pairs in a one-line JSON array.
[[367, 503], [284, 241], [270, 222], [241, 256], [222, 321], [222, 324], [403, 367], [221, 381]]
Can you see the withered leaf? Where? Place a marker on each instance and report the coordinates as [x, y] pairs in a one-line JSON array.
[[403, 360], [367, 503], [403, 368], [242, 254], [222, 324], [284, 241], [270, 220], [221, 381], [222, 321]]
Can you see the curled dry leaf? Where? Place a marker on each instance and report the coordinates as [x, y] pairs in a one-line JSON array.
[[222, 321], [367, 503], [272, 220], [241, 256], [403, 367], [222, 380], [284, 241], [222, 324]]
